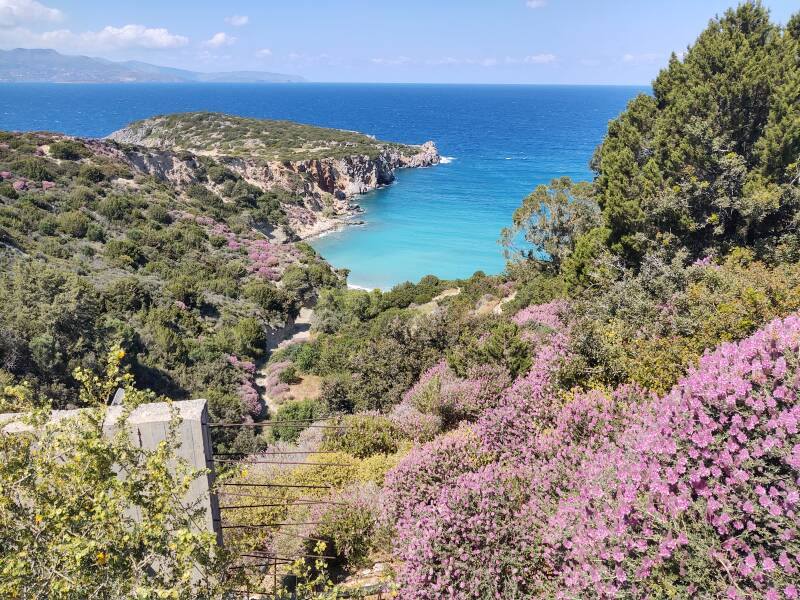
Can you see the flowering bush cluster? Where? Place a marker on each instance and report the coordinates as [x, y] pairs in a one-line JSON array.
[[440, 399], [548, 315], [416, 481], [274, 387], [247, 390], [265, 259], [616, 495]]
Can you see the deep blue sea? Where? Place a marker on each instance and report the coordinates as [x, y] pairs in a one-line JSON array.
[[501, 141]]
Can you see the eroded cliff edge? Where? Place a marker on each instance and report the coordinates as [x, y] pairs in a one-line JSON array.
[[316, 172]]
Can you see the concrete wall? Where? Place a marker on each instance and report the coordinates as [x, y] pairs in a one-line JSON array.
[[149, 424]]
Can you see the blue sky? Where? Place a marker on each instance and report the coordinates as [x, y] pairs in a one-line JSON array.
[[447, 41]]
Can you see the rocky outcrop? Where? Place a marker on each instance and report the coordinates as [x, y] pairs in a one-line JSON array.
[[322, 189], [327, 186]]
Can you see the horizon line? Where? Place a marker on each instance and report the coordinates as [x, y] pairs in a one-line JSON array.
[[294, 83]]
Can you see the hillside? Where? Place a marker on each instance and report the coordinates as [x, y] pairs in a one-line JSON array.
[[48, 66], [176, 253], [325, 168], [616, 416]]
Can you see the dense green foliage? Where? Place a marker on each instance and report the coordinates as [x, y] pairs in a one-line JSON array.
[[268, 140], [94, 252], [711, 160], [514, 389], [67, 519]]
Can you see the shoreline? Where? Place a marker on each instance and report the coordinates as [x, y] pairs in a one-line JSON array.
[[343, 221]]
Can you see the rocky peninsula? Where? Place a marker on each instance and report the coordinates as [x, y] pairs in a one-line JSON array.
[[317, 172]]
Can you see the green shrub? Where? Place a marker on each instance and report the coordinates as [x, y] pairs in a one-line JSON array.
[[203, 195], [68, 150], [91, 173], [266, 295], [81, 197], [127, 294], [288, 375], [363, 436], [48, 226], [336, 394], [353, 527], [295, 410], [8, 191], [95, 233], [159, 214], [219, 174], [35, 168], [306, 358], [405, 294], [185, 289], [503, 346], [74, 223], [249, 338], [124, 253], [115, 208]]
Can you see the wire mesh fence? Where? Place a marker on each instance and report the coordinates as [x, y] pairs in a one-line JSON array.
[[271, 572]]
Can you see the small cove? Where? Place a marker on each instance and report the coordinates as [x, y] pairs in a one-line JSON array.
[[500, 142]]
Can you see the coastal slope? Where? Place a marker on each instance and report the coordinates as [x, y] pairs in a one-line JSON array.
[[316, 171]]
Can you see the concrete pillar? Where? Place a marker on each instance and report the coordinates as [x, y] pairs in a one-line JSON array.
[[149, 425]]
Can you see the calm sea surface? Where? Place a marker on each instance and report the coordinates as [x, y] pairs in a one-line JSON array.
[[500, 142]]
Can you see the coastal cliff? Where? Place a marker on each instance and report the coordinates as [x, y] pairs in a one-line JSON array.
[[316, 171]]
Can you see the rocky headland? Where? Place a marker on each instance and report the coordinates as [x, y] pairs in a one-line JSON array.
[[316, 171]]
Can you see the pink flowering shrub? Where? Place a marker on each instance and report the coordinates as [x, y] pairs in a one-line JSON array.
[[265, 259], [427, 384], [414, 424], [441, 393], [251, 400], [622, 495], [469, 542], [418, 478], [273, 387], [527, 406], [481, 390], [549, 315], [248, 393]]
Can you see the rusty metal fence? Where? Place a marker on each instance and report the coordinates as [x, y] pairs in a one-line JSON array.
[[271, 569]]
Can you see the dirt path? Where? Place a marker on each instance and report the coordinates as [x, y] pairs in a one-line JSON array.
[[299, 333]]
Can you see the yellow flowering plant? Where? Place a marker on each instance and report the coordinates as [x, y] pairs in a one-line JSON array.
[[83, 515]]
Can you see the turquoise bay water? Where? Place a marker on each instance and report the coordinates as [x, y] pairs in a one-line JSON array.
[[501, 142]]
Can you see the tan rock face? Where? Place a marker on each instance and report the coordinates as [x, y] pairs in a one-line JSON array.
[[324, 187]]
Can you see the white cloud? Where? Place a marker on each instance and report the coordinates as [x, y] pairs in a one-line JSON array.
[[539, 59], [536, 3], [107, 39], [641, 59], [14, 12], [264, 53], [447, 60], [400, 60], [133, 36], [220, 39], [237, 20]]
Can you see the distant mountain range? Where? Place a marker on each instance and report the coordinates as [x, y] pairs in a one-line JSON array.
[[41, 65]]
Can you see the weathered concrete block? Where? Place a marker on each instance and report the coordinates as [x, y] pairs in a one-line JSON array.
[[149, 425]]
